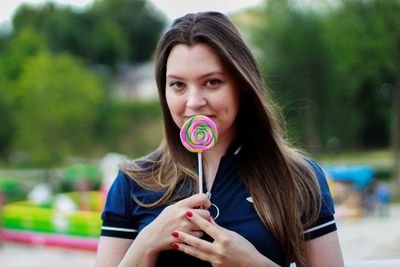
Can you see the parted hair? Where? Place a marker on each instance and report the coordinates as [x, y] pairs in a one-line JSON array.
[[283, 186]]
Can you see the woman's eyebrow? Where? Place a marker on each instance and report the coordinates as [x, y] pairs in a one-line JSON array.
[[211, 73], [174, 76]]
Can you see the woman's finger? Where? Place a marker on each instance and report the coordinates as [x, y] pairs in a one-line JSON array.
[[194, 242], [212, 230], [205, 214], [192, 251], [197, 200], [197, 234]]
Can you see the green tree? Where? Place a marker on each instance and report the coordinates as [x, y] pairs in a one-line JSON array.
[[57, 101], [358, 44], [22, 45], [343, 61], [6, 117], [108, 43], [364, 41], [138, 20], [13, 54], [62, 28], [293, 58], [110, 32]]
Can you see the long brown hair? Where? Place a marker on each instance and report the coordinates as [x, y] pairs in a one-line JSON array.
[[284, 189]]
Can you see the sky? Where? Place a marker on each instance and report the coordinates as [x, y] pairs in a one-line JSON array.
[[172, 8]]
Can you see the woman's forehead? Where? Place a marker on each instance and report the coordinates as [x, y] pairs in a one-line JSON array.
[[199, 58]]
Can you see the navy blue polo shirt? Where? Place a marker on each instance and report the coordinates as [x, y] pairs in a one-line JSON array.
[[123, 218]]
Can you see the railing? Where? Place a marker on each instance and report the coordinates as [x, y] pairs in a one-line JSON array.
[[371, 263], [374, 263]]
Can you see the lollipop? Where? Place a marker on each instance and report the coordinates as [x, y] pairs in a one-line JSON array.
[[199, 133]]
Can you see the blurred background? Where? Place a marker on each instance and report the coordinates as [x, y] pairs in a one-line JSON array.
[[77, 96]]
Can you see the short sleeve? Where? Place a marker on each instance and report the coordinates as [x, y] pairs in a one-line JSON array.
[[326, 221], [117, 216]]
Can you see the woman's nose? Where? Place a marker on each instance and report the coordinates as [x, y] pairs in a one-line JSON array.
[[195, 99]]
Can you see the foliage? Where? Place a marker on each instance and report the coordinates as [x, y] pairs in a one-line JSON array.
[[51, 104], [110, 32], [23, 45], [132, 129], [365, 57], [294, 58], [55, 112], [370, 54], [332, 69], [6, 118], [138, 20]]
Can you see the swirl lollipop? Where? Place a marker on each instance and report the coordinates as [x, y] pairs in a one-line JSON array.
[[199, 133]]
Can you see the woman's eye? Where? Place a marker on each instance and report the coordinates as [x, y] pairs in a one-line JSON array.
[[177, 85], [213, 83]]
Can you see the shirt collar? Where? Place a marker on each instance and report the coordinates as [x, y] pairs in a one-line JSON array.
[[234, 148]]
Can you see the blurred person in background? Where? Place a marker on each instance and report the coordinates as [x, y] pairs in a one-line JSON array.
[[382, 196], [274, 205]]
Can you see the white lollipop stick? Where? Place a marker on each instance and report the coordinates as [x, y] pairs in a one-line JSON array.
[[200, 164]]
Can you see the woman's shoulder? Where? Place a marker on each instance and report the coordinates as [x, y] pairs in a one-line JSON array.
[[319, 174], [325, 222], [328, 206], [315, 167]]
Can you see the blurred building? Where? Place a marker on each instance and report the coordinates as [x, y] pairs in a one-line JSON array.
[[135, 82]]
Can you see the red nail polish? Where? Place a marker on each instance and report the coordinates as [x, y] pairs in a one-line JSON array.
[[189, 213], [174, 246], [175, 234]]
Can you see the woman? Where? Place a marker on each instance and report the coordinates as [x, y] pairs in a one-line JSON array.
[[273, 204]]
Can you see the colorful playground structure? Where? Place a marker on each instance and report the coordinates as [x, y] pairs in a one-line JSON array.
[[27, 222], [69, 219], [356, 192]]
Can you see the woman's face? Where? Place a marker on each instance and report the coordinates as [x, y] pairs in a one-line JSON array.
[[198, 83]]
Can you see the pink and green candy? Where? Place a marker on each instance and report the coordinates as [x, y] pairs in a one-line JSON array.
[[199, 133]]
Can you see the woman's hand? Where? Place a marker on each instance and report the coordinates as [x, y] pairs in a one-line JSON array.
[[227, 249], [157, 234]]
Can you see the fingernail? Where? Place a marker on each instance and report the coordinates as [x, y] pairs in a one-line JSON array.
[[175, 234], [189, 213], [212, 219], [174, 246]]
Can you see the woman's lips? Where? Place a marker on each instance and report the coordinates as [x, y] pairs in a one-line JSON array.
[[212, 117]]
